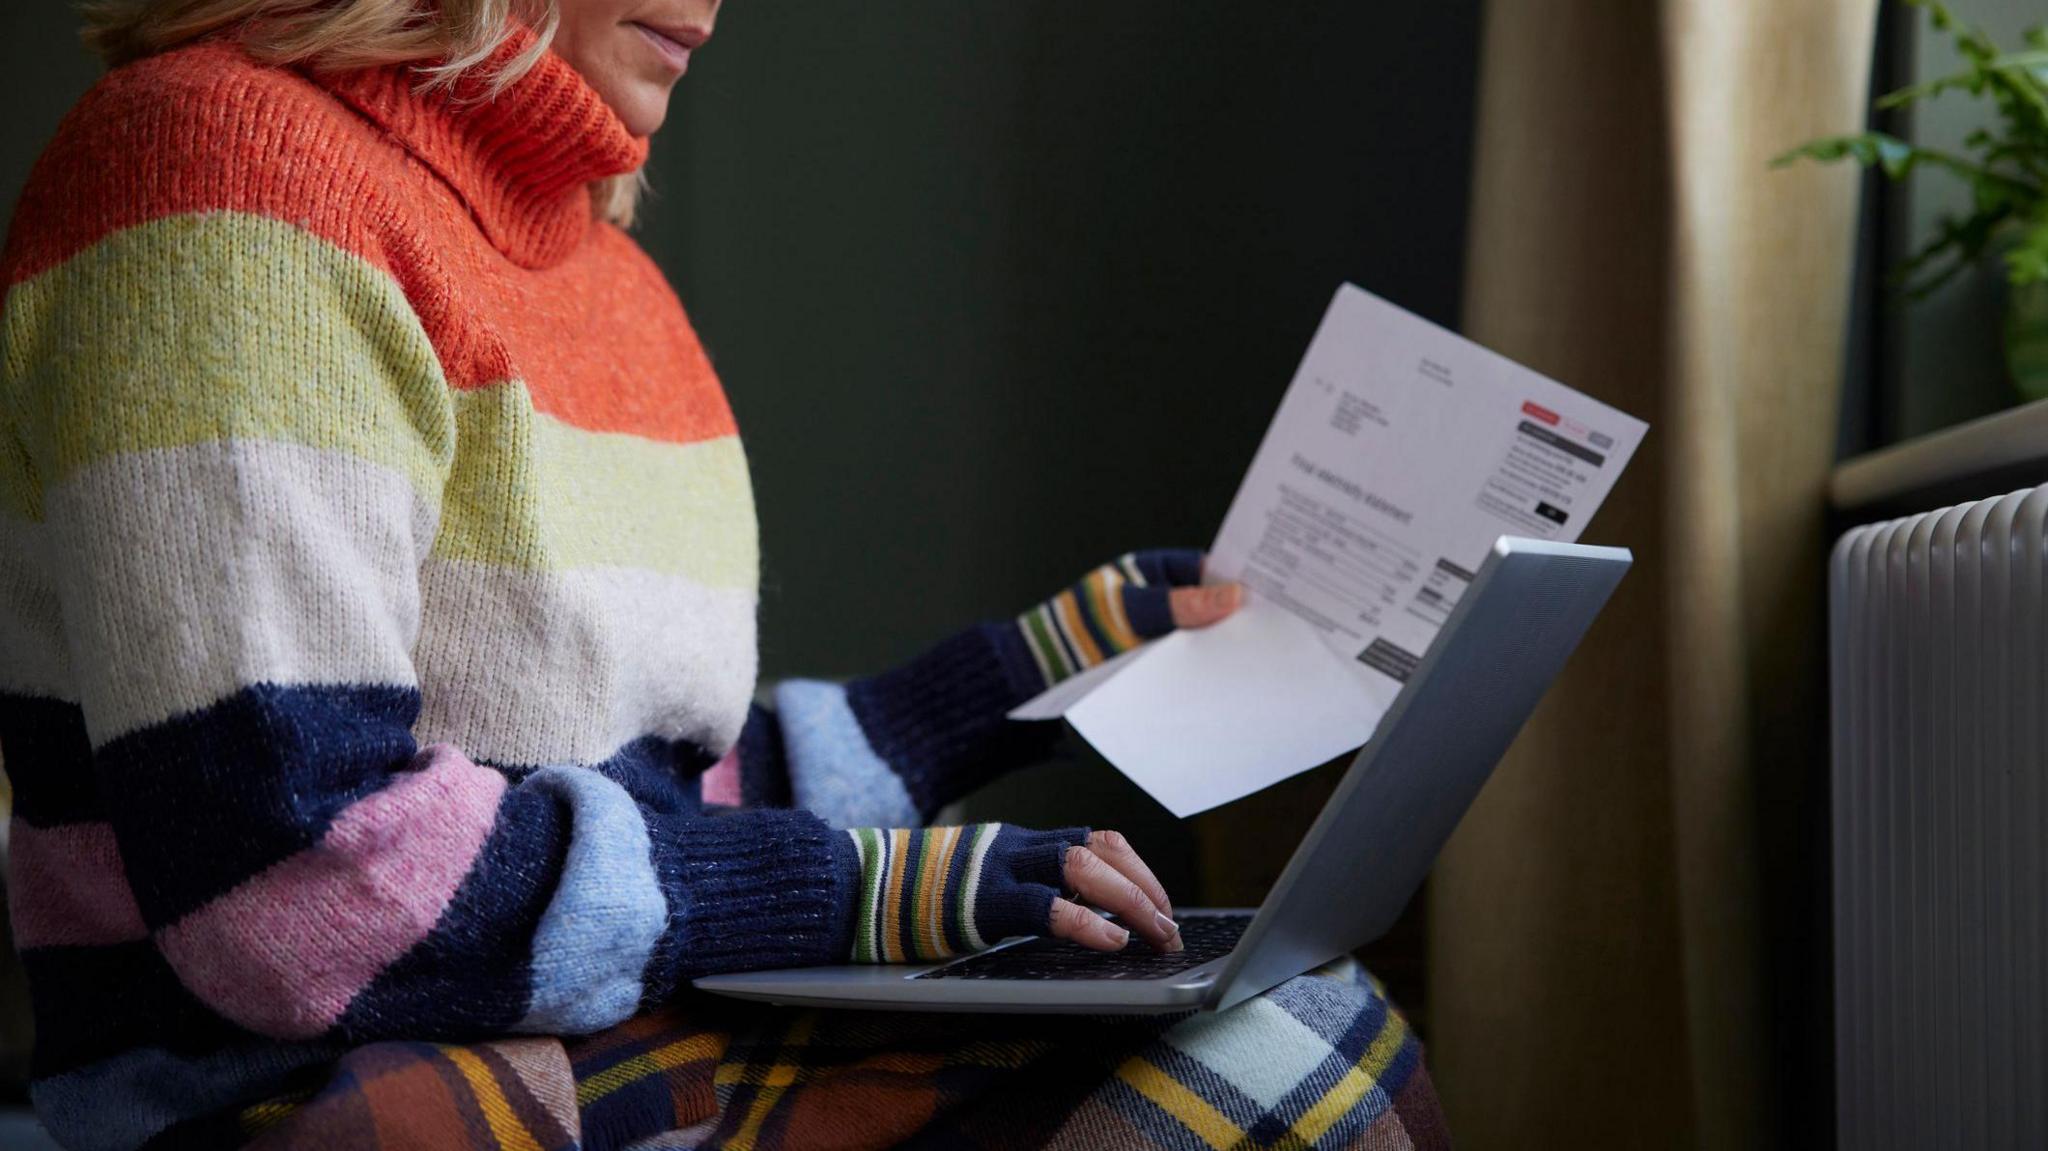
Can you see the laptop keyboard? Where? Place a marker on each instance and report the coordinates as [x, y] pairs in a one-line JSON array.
[[1203, 938]]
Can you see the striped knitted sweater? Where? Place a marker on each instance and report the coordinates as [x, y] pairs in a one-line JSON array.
[[377, 593]]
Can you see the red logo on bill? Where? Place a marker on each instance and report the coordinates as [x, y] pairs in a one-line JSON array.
[[1532, 408]]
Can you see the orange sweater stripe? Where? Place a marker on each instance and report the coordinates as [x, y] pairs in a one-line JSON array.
[[201, 130]]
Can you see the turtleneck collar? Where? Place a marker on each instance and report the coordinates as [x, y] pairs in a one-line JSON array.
[[523, 161]]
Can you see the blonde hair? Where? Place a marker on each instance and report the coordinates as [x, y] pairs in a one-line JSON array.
[[450, 39]]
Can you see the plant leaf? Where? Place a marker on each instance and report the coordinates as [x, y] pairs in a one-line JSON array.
[[1890, 153], [2026, 262], [2005, 165]]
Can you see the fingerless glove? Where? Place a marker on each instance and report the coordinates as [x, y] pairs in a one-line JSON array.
[[943, 891], [1107, 612]]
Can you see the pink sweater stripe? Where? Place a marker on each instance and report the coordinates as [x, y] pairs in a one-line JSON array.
[[721, 784], [67, 887], [285, 953]]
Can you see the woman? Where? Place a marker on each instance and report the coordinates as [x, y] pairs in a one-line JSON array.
[[377, 588]]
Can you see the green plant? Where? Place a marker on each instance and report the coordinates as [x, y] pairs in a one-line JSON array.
[[2006, 168]]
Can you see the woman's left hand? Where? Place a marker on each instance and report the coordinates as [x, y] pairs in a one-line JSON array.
[[1119, 606], [1106, 872]]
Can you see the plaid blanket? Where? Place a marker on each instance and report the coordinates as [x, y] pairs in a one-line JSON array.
[[1321, 1061]]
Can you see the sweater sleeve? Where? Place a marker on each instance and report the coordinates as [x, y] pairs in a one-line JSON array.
[[890, 750], [226, 446]]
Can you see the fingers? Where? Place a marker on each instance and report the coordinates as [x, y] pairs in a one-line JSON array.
[[1202, 606], [1154, 611], [1104, 886], [1149, 608], [1113, 609], [1072, 921], [1164, 591], [1112, 848]]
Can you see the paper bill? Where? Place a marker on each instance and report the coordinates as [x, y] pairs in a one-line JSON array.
[[1399, 453]]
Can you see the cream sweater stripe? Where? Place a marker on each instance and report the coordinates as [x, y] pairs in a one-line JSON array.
[[282, 564], [35, 661], [625, 653]]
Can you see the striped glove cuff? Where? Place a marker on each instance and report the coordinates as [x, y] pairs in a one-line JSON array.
[[1108, 612], [938, 892]]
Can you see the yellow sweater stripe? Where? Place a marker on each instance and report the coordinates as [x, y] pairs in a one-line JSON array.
[[126, 348], [130, 346], [19, 495], [528, 491]]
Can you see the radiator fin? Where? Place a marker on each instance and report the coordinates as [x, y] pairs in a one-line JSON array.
[[1938, 653]]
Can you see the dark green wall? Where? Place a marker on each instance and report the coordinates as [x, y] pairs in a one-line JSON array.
[[1002, 289], [43, 69]]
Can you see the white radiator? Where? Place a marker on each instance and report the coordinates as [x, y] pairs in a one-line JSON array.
[[1938, 629]]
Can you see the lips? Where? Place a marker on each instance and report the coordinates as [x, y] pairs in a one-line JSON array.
[[675, 44]]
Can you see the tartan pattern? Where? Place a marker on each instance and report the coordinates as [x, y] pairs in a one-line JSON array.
[[1320, 1062], [510, 1095]]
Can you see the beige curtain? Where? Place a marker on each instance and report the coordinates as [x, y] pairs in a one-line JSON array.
[[1609, 931]]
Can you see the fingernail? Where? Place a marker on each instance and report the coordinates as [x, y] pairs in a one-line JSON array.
[[1172, 931], [1122, 937]]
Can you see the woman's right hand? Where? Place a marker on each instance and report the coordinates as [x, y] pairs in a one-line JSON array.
[[1132, 600], [937, 892]]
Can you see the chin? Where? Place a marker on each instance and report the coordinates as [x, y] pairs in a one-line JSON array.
[[641, 107], [647, 119]]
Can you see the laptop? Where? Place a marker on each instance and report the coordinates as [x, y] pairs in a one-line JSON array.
[[1353, 873]]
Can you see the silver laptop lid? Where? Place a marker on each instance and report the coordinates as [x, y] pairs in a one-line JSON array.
[[1379, 834]]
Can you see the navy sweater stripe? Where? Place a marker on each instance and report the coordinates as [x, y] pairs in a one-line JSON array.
[[940, 720], [92, 1003], [472, 977], [49, 760], [205, 801]]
